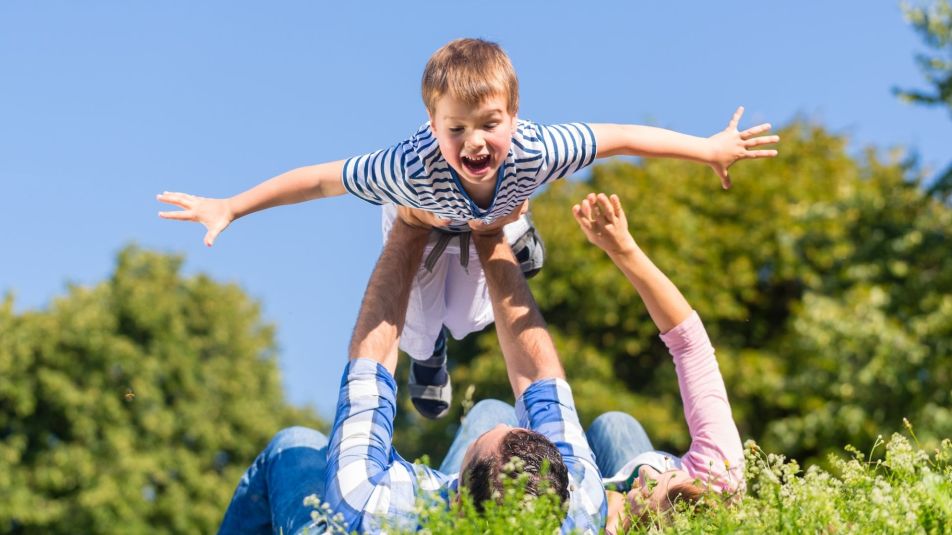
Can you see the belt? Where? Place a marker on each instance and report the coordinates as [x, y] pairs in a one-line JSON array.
[[444, 238]]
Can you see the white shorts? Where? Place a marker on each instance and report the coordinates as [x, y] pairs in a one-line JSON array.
[[449, 295]]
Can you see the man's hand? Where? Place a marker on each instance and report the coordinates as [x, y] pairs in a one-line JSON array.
[[730, 145], [483, 229], [604, 223], [214, 214], [420, 218]]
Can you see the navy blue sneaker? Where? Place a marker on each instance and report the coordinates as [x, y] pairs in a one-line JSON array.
[[526, 245], [430, 389]]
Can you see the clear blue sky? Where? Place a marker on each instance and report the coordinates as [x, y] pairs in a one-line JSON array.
[[105, 104]]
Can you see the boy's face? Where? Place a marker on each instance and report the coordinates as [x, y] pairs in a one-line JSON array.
[[474, 140]]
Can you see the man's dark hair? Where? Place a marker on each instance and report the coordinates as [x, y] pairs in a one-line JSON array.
[[541, 462]]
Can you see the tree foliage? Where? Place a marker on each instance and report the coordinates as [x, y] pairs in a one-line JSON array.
[[933, 22], [134, 405], [824, 280]]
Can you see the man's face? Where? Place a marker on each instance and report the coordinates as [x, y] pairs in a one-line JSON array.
[[474, 140], [486, 444]]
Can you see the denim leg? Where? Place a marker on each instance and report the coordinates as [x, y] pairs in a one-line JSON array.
[[484, 415], [270, 496], [616, 438]]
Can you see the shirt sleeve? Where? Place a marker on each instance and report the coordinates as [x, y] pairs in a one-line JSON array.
[[547, 407], [555, 151], [716, 455], [365, 479], [383, 176]]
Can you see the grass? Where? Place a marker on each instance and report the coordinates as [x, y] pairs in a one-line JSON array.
[[898, 487]]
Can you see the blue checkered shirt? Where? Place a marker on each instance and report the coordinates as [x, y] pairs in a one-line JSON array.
[[370, 485]]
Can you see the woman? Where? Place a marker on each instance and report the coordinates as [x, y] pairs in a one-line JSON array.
[[653, 480]]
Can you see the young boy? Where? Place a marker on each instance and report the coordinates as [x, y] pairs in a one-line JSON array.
[[473, 161]]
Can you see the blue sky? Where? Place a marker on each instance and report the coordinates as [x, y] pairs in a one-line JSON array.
[[105, 104]]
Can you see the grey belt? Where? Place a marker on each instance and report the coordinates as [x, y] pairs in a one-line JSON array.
[[445, 236]]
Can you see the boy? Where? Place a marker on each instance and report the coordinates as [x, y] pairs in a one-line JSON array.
[[473, 160]]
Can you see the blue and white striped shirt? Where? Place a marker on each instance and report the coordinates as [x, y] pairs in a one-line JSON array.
[[414, 173], [372, 486]]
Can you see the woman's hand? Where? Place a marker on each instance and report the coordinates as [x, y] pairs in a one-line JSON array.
[[603, 221]]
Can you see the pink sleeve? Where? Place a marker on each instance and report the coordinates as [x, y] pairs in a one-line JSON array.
[[716, 455]]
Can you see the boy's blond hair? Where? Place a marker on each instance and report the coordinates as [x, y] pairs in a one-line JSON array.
[[470, 70]]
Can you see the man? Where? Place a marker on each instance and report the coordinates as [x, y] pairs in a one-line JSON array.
[[359, 475]]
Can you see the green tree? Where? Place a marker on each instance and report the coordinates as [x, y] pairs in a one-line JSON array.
[[134, 405], [823, 278], [933, 22]]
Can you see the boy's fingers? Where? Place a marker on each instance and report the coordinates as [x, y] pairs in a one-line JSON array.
[[181, 215], [178, 199], [762, 140], [735, 120], [726, 180], [754, 130], [760, 154]]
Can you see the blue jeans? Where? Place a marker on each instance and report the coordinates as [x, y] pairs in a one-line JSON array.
[[616, 438], [270, 495]]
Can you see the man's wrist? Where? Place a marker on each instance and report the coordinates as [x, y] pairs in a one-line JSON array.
[[487, 242], [410, 230]]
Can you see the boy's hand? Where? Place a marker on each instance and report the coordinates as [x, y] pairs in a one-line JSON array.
[[604, 223], [215, 214], [730, 145], [420, 218], [483, 229]]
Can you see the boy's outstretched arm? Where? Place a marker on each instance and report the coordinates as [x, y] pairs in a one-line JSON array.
[[298, 185], [720, 151]]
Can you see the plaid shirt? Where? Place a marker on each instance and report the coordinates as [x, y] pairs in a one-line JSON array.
[[369, 483]]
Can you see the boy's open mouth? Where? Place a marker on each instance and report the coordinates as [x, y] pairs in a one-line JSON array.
[[476, 164]]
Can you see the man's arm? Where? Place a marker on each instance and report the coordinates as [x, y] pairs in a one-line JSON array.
[[298, 185], [384, 308], [720, 151], [360, 465], [526, 345]]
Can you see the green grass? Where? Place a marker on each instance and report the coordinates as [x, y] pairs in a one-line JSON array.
[[898, 487]]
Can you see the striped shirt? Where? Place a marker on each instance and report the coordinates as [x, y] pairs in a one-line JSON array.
[[414, 173], [373, 487]]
